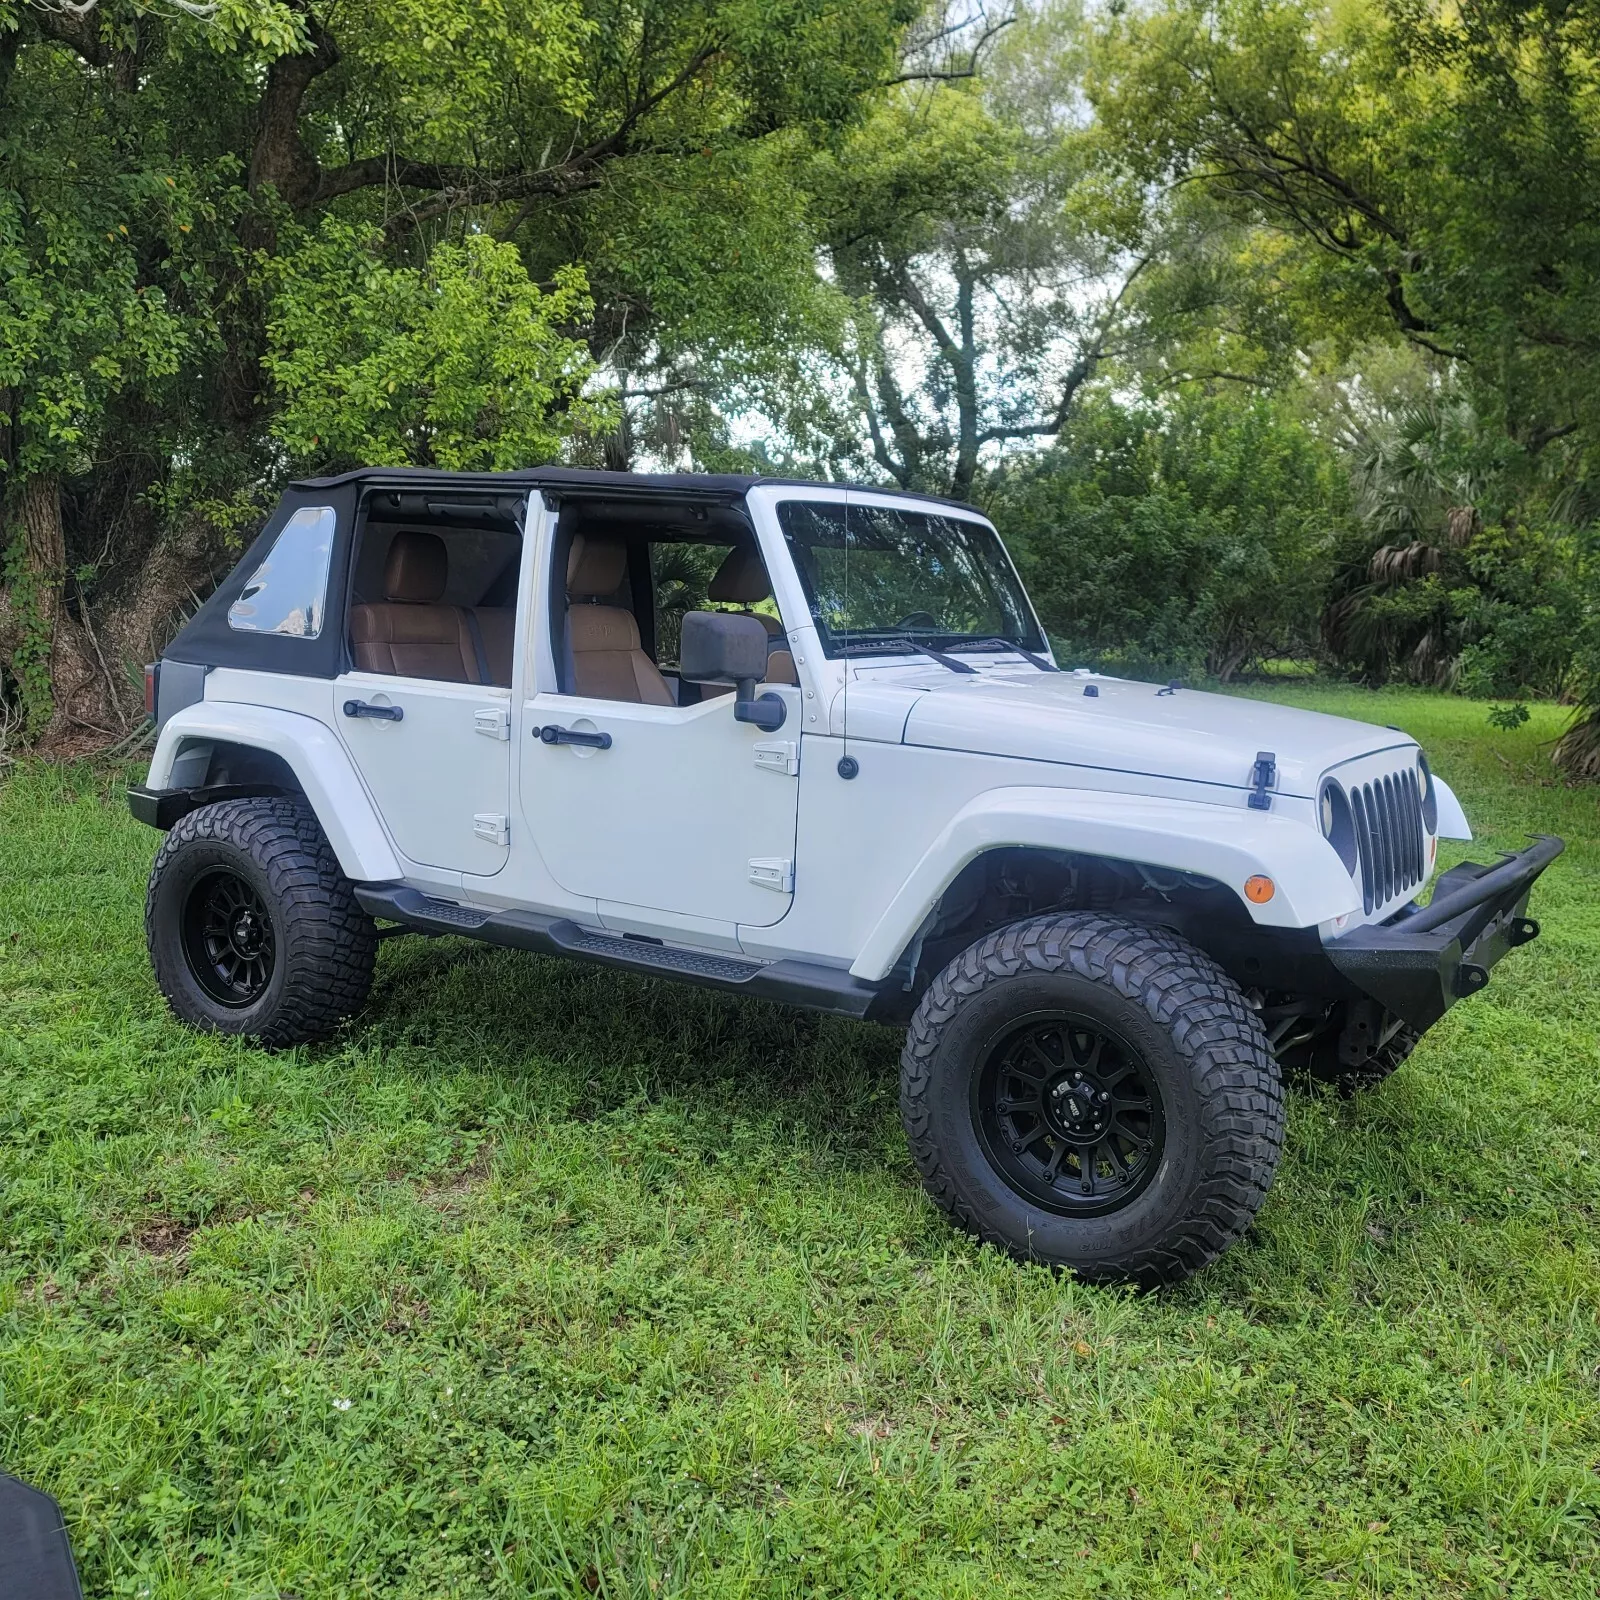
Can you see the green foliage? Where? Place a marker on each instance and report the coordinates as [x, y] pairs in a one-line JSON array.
[[1193, 536], [1508, 718], [1436, 170], [551, 1280], [462, 364]]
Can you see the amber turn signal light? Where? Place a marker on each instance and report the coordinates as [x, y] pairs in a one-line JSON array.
[[1259, 889]]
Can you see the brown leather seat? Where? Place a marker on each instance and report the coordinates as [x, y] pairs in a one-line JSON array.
[[608, 662], [412, 636], [742, 580]]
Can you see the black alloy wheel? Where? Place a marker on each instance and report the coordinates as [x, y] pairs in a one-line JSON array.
[[228, 938], [1092, 1093], [253, 927], [1069, 1113]]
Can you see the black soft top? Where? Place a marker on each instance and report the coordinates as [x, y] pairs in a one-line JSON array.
[[208, 641], [722, 485]]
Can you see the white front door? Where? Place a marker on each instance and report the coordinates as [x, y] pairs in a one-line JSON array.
[[686, 811], [440, 773]]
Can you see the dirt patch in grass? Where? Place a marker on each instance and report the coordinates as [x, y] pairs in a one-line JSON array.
[[164, 1237], [447, 1193]]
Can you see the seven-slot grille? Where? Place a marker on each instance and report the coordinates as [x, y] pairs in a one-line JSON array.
[[1390, 840]]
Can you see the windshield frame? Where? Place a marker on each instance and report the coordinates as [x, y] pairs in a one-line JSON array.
[[890, 641]]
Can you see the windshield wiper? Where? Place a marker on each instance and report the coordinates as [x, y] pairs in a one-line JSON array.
[[1005, 644], [866, 647]]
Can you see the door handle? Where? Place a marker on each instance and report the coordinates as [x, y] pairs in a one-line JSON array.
[[360, 708], [550, 734]]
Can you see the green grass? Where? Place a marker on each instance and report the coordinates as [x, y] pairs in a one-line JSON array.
[[549, 1281]]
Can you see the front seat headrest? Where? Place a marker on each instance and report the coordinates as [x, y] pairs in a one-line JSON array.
[[596, 567], [417, 569], [741, 579]]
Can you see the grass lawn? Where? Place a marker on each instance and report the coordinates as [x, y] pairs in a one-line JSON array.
[[544, 1280]]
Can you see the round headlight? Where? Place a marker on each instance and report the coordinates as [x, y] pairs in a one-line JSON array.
[[1338, 824], [1430, 795]]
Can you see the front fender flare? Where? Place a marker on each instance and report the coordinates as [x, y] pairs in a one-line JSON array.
[[315, 756], [1453, 822], [1227, 843]]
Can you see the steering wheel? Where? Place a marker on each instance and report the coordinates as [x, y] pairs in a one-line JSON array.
[[919, 619]]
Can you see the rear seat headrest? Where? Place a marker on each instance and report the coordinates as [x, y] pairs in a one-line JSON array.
[[596, 567], [417, 568], [741, 579]]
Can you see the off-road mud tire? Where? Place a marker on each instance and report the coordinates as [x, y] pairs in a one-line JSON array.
[[1200, 1041], [325, 945]]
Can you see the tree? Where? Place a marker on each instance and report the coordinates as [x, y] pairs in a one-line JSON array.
[[461, 364], [203, 151], [1437, 169], [988, 267], [1189, 535]]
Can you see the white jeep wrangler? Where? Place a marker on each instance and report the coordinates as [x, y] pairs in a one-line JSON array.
[[808, 743]]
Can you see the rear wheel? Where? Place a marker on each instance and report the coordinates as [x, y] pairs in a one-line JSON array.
[[253, 928], [1093, 1094]]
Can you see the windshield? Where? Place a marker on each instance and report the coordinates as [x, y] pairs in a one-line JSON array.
[[939, 579]]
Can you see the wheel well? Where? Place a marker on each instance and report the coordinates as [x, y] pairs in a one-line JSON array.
[[208, 763], [1012, 884]]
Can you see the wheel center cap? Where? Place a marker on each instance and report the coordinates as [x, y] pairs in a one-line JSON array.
[[246, 934], [1079, 1108]]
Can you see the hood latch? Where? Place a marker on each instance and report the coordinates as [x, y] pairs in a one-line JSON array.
[[1263, 775]]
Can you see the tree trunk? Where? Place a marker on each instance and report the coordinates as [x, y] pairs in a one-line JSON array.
[[67, 688], [176, 575]]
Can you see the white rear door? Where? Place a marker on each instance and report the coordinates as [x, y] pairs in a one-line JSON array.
[[440, 774]]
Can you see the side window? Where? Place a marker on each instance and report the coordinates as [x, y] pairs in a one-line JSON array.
[[287, 594], [681, 575]]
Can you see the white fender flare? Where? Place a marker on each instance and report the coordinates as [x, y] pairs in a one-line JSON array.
[[1453, 822], [1227, 843], [315, 756]]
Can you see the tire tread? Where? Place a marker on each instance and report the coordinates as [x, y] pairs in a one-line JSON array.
[[328, 941], [1211, 1023]]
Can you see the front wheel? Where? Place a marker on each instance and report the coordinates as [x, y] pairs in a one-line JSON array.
[[252, 927], [1093, 1094]]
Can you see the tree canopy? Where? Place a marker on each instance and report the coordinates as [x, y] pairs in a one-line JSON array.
[[1267, 324]]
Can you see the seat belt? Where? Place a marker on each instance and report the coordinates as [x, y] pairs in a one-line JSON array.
[[477, 643]]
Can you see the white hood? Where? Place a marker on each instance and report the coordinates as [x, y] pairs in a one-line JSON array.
[[1129, 727]]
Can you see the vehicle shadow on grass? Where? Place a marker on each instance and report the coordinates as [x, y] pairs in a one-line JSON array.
[[598, 1040]]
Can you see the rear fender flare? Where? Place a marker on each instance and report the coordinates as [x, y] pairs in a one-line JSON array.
[[313, 753], [1226, 843]]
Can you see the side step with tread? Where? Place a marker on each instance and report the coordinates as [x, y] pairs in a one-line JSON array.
[[798, 983]]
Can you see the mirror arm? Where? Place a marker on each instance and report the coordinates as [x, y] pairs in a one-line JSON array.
[[767, 713]]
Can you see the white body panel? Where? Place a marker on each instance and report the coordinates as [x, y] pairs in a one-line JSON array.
[[437, 779], [670, 818], [678, 832], [1311, 883], [318, 760]]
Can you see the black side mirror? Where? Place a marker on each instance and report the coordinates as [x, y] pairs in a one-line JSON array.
[[722, 647]]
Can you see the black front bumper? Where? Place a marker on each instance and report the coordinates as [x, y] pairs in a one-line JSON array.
[[1425, 958]]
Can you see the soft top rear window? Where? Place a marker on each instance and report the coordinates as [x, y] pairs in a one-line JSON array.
[[287, 594]]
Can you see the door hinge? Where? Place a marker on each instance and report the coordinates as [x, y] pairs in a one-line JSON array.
[[493, 722], [772, 872], [491, 826], [778, 755]]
